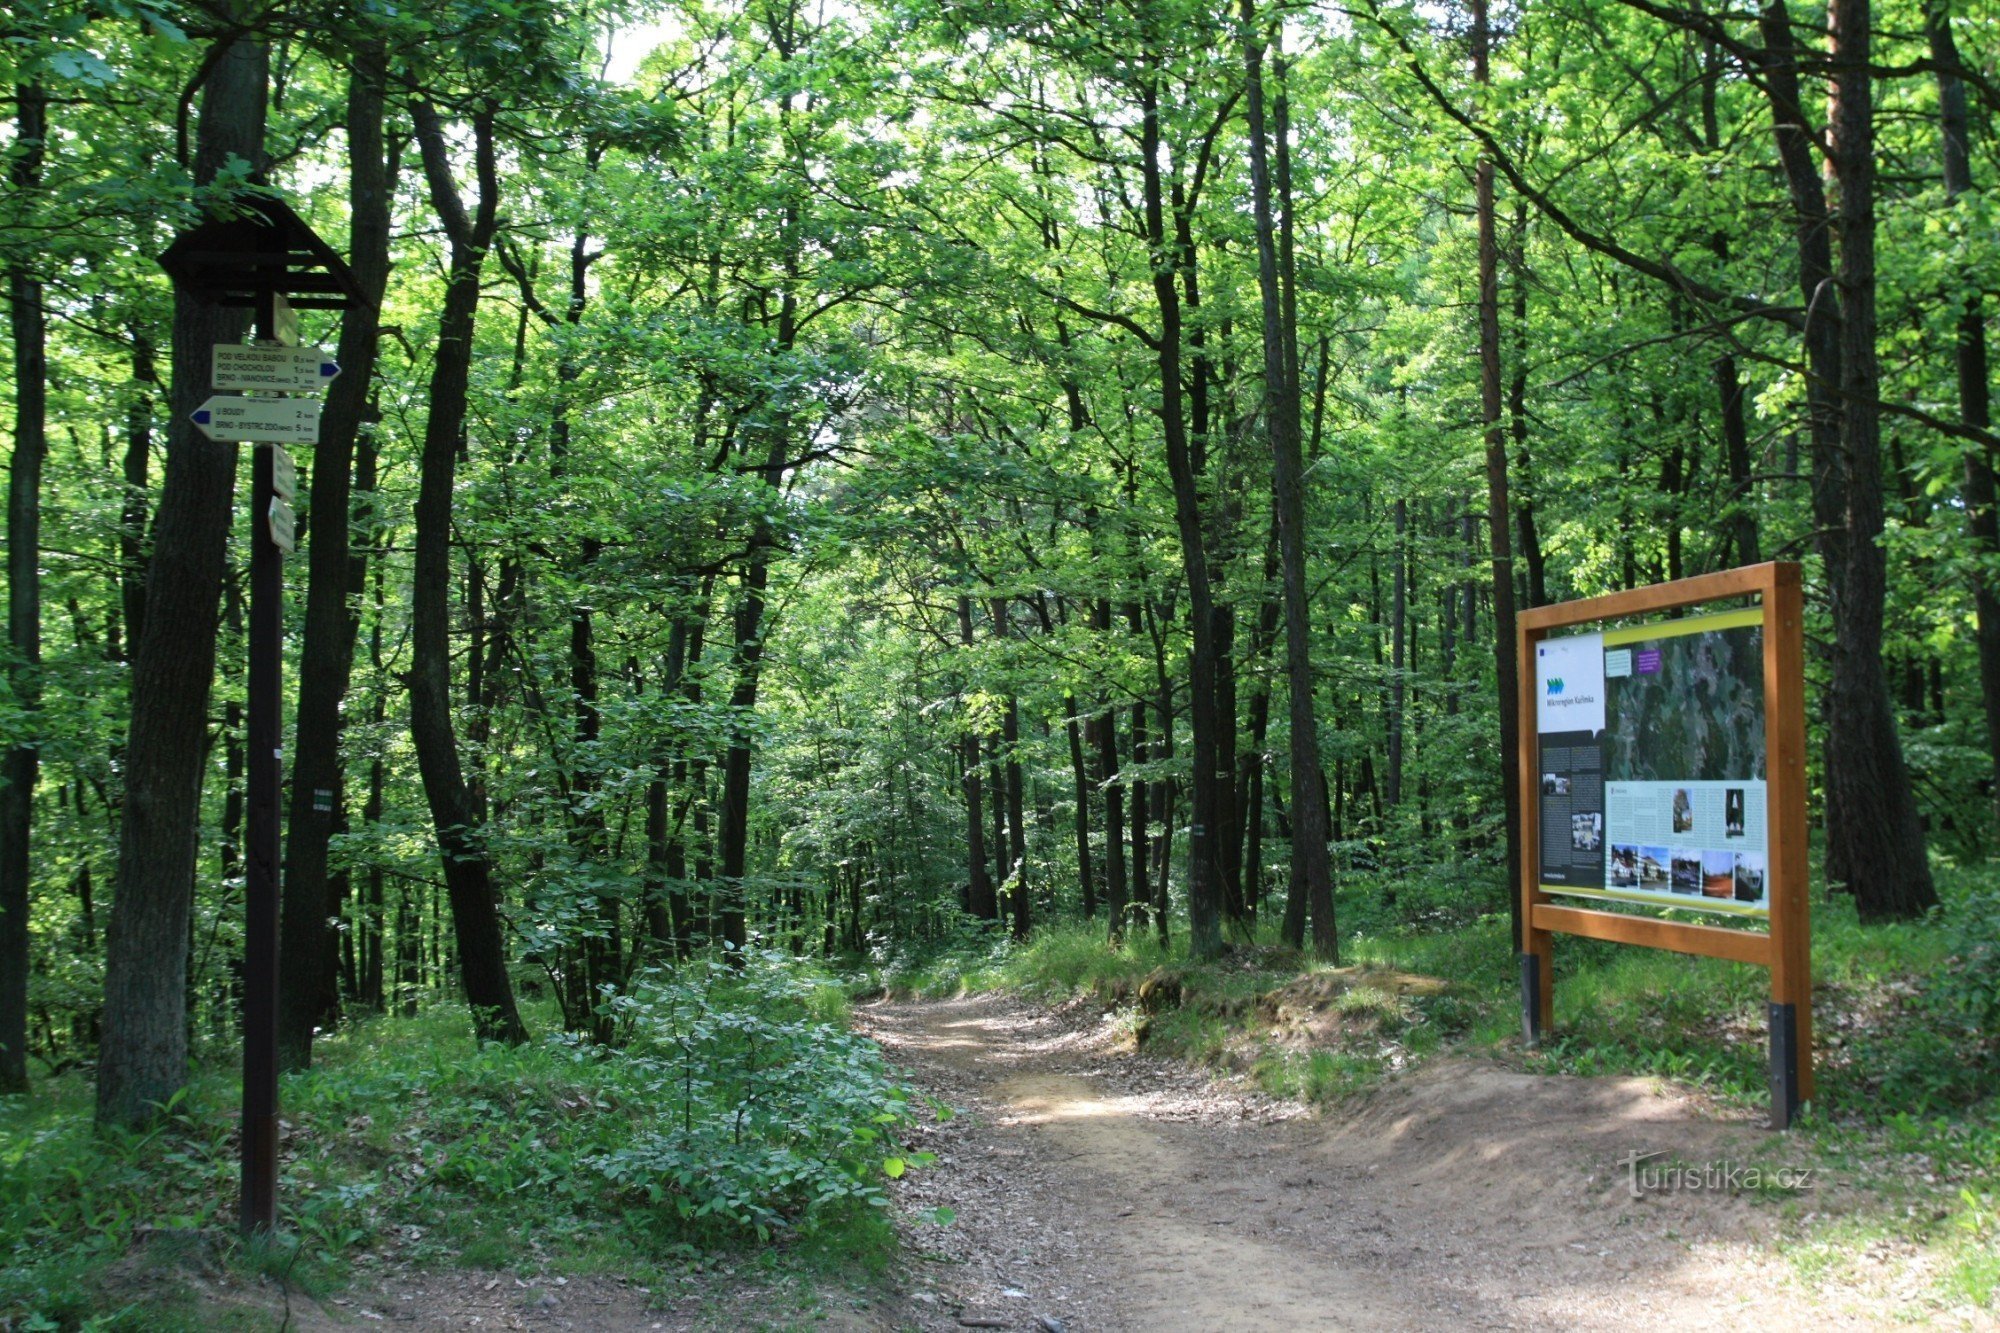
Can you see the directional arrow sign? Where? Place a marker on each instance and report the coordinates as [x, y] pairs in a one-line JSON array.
[[281, 524], [301, 368], [284, 474], [267, 420]]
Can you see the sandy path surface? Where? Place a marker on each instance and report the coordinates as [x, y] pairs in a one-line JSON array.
[[1096, 1189]]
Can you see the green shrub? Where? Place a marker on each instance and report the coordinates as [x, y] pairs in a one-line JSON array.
[[738, 1106]]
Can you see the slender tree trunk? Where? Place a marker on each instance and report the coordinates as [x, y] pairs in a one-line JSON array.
[[1536, 565], [1501, 547], [1016, 878], [980, 899], [1312, 867], [1204, 881], [1137, 803], [326, 660], [1116, 892], [1081, 772], [18, 770], [142, 1060], [1399, 606], [1982, 520], [468, 866]]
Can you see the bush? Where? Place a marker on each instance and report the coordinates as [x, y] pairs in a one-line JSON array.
[[739, 1106]]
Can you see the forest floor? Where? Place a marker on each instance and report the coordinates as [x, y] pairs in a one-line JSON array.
[[1098, 1188], [1095, 1186]]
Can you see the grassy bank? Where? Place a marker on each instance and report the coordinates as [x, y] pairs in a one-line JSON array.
[[737, 1110]]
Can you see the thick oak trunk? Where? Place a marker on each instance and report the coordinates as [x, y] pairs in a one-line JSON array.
[[142, 1059]]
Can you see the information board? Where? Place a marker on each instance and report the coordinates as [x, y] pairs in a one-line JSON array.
[[1652, 764], [1662, 749]]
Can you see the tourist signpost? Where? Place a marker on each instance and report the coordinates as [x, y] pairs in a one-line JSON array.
[[1662, 766], [298, 369], [259, 258]]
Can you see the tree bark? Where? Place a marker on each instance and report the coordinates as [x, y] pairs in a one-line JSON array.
[[1116, 892], [142, 1059], [1311, 864], [1016, 879], [468, 866], [1982, 521], [1873, 816], [1081, 773], [1497, 509], [980, 899], [18, 771], [1204, 880], [326, 659]]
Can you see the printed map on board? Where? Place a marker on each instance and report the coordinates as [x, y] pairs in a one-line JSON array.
[[1691, 709]]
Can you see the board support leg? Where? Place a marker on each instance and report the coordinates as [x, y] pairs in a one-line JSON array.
[[1531, 1000], [1784, 1064]]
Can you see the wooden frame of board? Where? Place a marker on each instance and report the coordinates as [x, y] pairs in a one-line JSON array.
[[1786, 949]]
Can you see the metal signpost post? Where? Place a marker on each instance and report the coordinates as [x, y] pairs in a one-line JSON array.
[[254, 260]]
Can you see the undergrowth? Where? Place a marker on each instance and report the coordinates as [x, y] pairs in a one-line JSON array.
[[739, 1108]]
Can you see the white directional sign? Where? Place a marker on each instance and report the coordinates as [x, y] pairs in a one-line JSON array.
[[267, 367], [284, 474], [282, 526], [266, 420]]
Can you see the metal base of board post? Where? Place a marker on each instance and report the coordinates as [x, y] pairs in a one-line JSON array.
[[1784, 1064], [1531, 999]]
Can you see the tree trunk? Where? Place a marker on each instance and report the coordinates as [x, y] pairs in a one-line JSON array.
[[142, 1060], [1204, 880], [980, 899], [1497, 509], [1399, 606], [326, 659], [1106, 730], [1312, 867], [1081, 772], [28, 325], [1982, 521], [468, 866], [1872, 812]]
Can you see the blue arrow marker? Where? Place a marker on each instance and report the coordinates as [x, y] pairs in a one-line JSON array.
[[202, 417], [328, 369]]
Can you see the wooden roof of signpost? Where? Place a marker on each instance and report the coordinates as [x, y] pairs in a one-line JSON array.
[[265, 247]]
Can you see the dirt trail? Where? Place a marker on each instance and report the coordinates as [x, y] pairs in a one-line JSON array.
[[1096, 1189]]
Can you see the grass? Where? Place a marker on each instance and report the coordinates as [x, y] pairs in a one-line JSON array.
[[739, 1111]]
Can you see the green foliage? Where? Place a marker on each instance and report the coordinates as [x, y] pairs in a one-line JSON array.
[[739, 1108]]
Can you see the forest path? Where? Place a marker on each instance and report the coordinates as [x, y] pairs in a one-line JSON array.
[[1099, 1189]]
